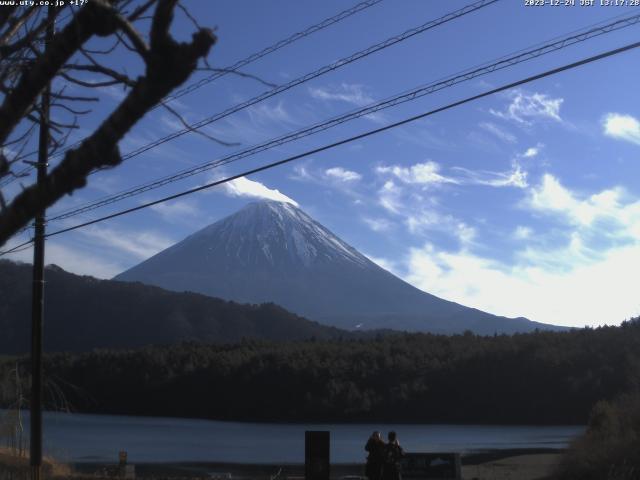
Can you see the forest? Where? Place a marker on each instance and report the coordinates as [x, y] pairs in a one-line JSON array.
[[534, 378], [130, 315]]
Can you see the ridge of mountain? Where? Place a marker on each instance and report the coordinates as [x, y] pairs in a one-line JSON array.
[[274, 252], [83, 313]]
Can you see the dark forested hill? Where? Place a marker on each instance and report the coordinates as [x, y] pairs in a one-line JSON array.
[[543, 377], [83, 313]]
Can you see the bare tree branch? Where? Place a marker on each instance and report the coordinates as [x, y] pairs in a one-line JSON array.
[[168, 65], [134, 36], [28, 38], [239, 74], [186, 125], [17, 25], [84, 83], [96, 17], [138, 12]]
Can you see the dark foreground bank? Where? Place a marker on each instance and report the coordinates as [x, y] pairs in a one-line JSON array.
[[516, 459]]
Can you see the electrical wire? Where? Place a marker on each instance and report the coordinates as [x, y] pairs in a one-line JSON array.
[[504, 62], [366, 134], [327, 22], [315, 74]]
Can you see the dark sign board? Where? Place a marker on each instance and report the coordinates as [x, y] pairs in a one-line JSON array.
[[431, 466], [316, 455]]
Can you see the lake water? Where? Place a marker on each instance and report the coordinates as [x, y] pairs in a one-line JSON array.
[[98, 438]]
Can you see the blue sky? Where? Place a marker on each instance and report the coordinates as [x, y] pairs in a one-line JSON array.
[[525, 203]]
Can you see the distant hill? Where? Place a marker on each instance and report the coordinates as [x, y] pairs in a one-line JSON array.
[[274, 252], [83, 313]]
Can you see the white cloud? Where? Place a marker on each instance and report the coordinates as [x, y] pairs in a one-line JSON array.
[[580, 273], [603, 291], [387, 264], [516, 177], [139, 245], [113, 92], [420, 173], [267, 113], [527, 107], [428, 174], [73, 260], [301, 173], [550, 196], [431, 220], [378, 224], [532, 151], [622, 127], [176, 210], [339, 173], [389, 197], [522, 232], [243, 187], [498, 132], [354, 94]]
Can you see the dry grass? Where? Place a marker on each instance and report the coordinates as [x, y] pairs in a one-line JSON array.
[[610, 448], [18, 465]]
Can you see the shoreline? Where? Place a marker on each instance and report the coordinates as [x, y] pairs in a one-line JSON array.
[[479, 464]]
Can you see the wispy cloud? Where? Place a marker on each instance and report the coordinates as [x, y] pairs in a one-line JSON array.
[[176, 210], [139, 244], [498, 132], [113, 92], [573, 297], [390, 197], [255, 123], [426, 173], [532, 152], [622, 127], [550, 196], [516, 177], [378, 224], [522, 232], [564, 283], [418, 214], [355, 94], [243, 187], [432, 220], [267, 113], [385, 263], [526, 107], [340, 174], [75, 259]]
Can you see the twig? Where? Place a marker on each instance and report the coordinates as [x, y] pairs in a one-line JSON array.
[[199, 132]]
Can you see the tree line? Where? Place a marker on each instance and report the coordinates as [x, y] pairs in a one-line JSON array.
[[534, 378]]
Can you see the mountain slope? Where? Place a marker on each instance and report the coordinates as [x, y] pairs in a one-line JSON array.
[[274, 252], [83, 313]]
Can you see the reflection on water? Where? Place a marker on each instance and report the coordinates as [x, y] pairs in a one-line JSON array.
[[96, 438]]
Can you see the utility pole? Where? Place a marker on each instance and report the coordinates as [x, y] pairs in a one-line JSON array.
[[37, 309]]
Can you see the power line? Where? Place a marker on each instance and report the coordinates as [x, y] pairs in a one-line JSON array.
[[300, 80], [369, 133], [327, 22], [276, 46], [504, 62], [315, 74]]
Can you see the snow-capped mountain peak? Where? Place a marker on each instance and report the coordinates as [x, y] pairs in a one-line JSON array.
[[274, 252]]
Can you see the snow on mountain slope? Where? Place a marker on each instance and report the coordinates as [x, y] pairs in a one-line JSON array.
[[274, 252]]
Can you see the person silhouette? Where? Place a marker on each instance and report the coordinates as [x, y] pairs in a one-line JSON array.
[[375, 447], [393, 452]]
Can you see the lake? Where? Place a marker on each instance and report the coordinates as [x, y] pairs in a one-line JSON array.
[[98, 438]]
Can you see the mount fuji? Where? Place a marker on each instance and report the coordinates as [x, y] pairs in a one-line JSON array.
[[274, 252]]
